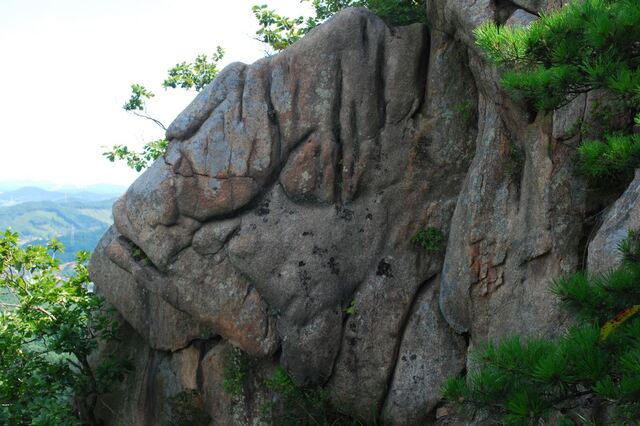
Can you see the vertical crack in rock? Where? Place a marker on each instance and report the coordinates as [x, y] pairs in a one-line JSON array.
[[151, 393], [380, 79], [429, 352], [403, 328], [272, 114], [422, 82], [243, 84], [336, 109]]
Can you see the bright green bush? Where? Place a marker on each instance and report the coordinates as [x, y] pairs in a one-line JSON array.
[[50, 323], [523, 380]]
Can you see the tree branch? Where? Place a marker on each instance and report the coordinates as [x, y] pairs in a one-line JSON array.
[[158, 122]]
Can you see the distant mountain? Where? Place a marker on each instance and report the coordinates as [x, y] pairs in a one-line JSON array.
[[17, 184], [35, 194], [78, 224], [100, 188]]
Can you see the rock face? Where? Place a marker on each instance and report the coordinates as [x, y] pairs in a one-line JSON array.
[[623, 216], [280, 220]]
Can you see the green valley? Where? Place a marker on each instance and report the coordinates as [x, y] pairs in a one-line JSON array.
[[77, 224]]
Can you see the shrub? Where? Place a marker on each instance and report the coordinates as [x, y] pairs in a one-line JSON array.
[[236, 367], [301, 406], [187, 408], [50, 322], [431, 239]]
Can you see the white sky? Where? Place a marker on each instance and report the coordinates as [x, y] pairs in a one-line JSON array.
[[66, 67]]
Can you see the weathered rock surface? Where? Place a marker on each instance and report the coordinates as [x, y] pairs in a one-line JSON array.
[[279, 221], [623, 216], [414, 386]]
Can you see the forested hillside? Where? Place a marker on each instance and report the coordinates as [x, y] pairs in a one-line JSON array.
[[78, 224], [32, 193]]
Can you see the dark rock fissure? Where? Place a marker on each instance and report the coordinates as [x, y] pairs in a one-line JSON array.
[[422, 78], [380, 67], [337, 136], [151, 393], [505, 8], [590, 227], [403, 327]]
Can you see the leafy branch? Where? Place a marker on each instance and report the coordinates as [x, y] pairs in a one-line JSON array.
[[185, 75], [49, 326]]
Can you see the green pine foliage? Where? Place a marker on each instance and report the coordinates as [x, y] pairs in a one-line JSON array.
[[519, 381], [586, 45], [610, 160], [49, 325]]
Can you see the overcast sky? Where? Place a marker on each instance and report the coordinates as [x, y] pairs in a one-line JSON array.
[[66, 67]]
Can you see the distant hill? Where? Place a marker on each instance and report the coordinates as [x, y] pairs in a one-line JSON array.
[[78, 224], [32, 193], [101, 188]]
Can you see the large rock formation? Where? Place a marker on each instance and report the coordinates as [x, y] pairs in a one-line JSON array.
[[279, 222]]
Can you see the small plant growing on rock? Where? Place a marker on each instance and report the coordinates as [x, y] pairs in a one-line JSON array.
[[187, 408], [294, 404], [465, 111], [431, 239], [138, 254], [351, 309], [235, 371]]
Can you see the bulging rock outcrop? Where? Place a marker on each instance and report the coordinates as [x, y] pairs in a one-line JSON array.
[[280, 219]]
